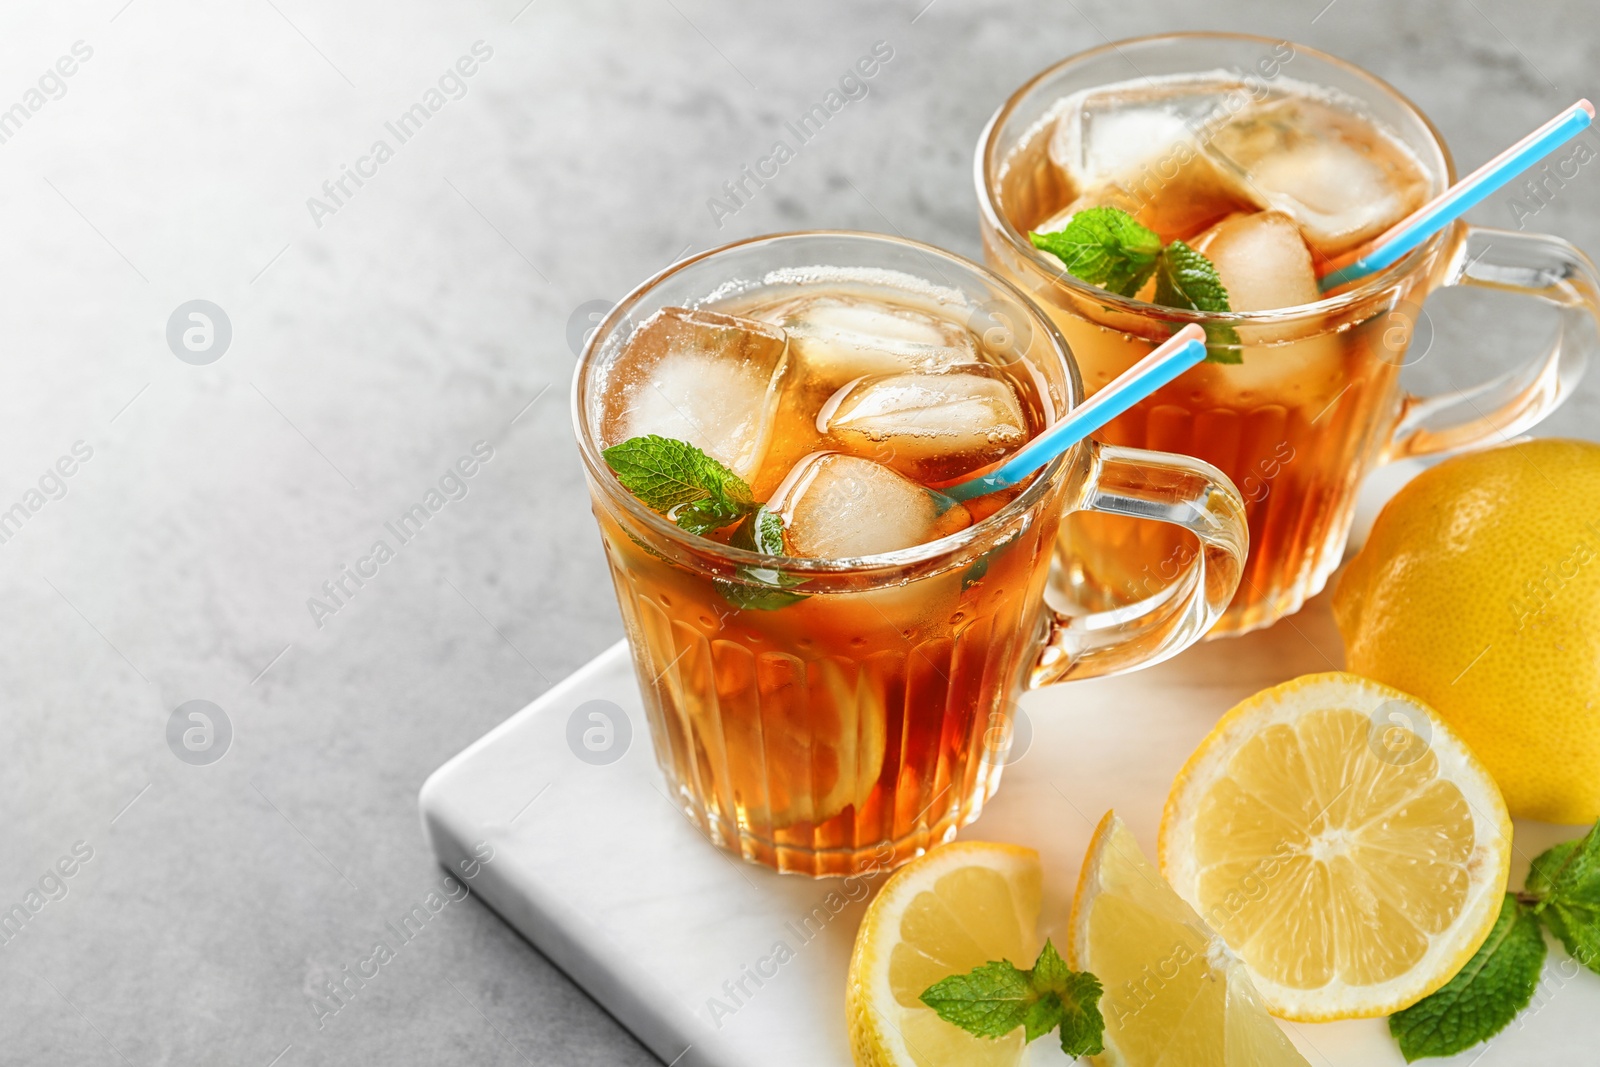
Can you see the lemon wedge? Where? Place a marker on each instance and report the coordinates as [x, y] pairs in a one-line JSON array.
[[1174, 994]]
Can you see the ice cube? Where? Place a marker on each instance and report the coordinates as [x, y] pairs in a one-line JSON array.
[[1137, 148], [1117, 129], [1342, 179], [1262, 260], [702, 377], [927, 426], [836, 506], [1264, 264], [837, 336]]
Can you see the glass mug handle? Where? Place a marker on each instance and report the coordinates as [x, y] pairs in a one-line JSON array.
[[1536, 265], [1159, 487]]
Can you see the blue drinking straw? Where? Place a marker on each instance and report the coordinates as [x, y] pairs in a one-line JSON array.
[[1387, 248], [1178, 353]]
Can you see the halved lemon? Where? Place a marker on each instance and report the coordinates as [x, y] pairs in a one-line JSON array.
[[957, 907], [1345, 844], [1173, 993]]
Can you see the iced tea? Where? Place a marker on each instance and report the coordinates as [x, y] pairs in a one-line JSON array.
[[1267, 177], [808, 727]]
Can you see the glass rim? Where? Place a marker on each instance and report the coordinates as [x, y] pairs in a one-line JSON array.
[[1372, 286], [1036, 489]]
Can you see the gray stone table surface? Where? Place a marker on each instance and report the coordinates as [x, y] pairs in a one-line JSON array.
[[377, 336]]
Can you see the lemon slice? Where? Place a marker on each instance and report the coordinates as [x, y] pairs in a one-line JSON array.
[[1174, 994], [1346, 845], [957, 907]]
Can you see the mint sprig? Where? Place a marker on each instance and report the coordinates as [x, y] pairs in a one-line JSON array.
[[680, 481], [1562, 893], [701, 496], [995, 998], [1108, 247]]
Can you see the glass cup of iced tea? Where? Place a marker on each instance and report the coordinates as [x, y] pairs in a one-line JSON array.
[[829, 650], [1269, 159]]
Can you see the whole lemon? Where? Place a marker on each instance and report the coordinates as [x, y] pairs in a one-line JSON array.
[[1478, 592]]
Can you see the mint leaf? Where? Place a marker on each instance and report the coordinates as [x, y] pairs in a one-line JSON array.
[[1187, 279], [1577, 927], [994, 999], [1050, 971], [1043, 1016], [1565, 883], [759, 588], [1550, 865], [1479, 1002], [761, 532], [680, 481], [1570, 868], [1077, 999], [1104, 246], [762, 588], [991, 1000], [713, 513]]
